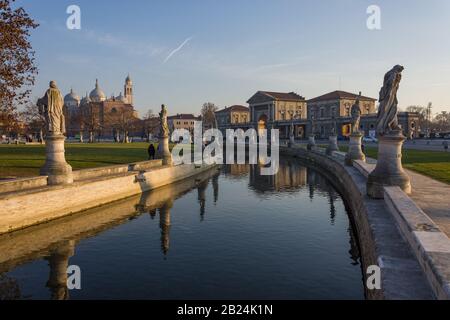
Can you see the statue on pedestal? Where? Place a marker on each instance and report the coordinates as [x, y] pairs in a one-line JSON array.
[[51, 107], [389, 170], [57, 170], [354, 147], [164, 127], [163, 147], [356, 116], [387, 110]]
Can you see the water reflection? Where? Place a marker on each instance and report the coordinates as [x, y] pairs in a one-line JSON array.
[[58, 262], [56, 242]]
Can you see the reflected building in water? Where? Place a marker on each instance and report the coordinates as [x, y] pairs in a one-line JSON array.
[[236, 170], [290, 177]]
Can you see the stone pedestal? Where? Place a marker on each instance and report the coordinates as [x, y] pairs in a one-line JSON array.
[[311, 143], [332, 145], [164, 152], [389, 170], [56, 167], [354, 149]]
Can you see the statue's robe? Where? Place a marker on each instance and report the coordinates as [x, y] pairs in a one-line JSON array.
[[387, 111], [356, 117], [54, 113]]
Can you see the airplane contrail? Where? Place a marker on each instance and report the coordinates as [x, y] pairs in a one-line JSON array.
[[177, 49]]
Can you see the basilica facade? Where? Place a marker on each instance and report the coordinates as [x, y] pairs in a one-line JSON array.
[[97, 115]]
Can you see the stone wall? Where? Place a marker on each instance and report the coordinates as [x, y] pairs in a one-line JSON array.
[[25, 208], [429, 244], [381, 243]]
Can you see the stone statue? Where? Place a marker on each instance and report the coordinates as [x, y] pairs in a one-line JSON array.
[[387, 110], [291, 130], [356, 115], [51, 107], [333, 129], [163, 120]]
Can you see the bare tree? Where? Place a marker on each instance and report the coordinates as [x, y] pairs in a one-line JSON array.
[[34, 120], [126, 122], [90, 119], [151, 124], [208, 113], [442, 122], [17, 69], [422, 113]]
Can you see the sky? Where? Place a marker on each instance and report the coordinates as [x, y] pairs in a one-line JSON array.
[[184, 53]]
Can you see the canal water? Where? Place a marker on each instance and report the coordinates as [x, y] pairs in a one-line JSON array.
[[229, 234]]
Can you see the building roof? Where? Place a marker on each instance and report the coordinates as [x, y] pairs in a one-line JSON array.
[[72, 97], [183, 116], [234, 108], [338, 95], [262, 96], [97, 95]]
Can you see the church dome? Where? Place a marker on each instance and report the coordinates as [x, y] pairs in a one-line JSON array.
[[85, 100], [121, 98], [72, 97], [97, 95]]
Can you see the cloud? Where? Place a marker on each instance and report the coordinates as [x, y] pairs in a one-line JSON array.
[[185, 42]]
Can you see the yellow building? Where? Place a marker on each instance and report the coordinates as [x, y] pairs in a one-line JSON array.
[[182, 121], [279, 110]]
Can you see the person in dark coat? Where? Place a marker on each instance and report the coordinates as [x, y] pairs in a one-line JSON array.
[[151, 152]]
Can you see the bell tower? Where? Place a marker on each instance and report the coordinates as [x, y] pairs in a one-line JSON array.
[[128, 90]]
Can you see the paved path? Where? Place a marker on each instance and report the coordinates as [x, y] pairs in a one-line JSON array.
[[433, 197]]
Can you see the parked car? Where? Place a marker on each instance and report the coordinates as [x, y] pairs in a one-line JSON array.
[[370, 139]]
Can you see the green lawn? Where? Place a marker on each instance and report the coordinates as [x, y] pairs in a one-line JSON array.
[[435, 164], [25, 160]]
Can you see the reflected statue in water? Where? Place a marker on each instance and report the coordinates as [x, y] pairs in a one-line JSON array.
[[58, 261], [164, 224], [201, 197], [215, 184]]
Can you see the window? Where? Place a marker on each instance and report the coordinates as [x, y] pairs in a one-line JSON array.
[[322, 113], [333, 112]]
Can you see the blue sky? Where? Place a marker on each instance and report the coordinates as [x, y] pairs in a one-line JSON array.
[[234, 48]]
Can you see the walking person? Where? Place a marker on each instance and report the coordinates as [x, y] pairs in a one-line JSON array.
[[151, 152], [445, 143]]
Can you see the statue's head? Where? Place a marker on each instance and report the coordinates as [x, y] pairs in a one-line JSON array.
[[398, 68], [163, 107], [53, 84]]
